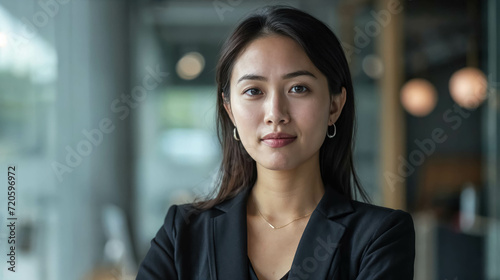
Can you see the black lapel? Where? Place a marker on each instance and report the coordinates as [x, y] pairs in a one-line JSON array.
[[230, 239], [321, 238]]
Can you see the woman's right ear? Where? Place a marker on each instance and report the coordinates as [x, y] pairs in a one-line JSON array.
[[227, 106]]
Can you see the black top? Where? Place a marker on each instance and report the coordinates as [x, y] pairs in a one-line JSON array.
[[253, 276], [343, 239]]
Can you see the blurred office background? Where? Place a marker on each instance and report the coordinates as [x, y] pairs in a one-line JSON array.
[[107, 111]]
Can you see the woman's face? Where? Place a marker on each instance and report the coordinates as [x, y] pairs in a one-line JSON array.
[[280, 103]]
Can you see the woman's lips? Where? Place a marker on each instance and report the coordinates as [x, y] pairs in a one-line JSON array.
[[277, 140]]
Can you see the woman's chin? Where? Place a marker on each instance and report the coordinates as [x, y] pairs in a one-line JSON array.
[[280, 165]]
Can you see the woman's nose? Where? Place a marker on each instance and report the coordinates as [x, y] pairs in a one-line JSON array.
[[276, 108]]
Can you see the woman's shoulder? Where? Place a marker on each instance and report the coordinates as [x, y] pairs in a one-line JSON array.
[[198, 213], [187, 215], [376, 211], [373, 218]]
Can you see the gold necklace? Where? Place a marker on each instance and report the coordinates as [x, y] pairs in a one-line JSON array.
[[273, 227]]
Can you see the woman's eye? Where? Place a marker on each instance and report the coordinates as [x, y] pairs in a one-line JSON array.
[[299, 89], [252, 91]]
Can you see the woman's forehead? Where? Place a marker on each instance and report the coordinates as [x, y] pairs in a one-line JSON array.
[[272, 56]]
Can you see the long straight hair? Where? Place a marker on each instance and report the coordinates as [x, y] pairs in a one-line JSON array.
[[238, 170]]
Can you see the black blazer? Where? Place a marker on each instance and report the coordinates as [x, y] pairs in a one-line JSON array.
[[343, 239]]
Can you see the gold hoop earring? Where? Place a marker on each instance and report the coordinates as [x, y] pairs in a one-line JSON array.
[[234, 134], [334, 131]]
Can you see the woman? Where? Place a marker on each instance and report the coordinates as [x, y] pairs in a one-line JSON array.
[[284, 207]]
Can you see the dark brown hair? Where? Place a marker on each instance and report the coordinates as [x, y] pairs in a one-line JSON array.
[[238, 170]]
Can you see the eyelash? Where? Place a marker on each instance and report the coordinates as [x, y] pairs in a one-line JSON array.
[[305, 87]]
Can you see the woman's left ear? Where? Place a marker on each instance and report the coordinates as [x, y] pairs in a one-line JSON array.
[[336, 105]]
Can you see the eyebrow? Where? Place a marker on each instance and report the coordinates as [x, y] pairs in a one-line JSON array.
[[286, 76]]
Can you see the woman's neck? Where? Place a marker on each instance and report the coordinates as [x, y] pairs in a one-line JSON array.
[[283, 195]]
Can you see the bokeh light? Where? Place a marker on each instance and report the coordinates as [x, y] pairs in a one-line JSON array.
[[373, 66], [418, 97], [3, 40], [190, 65], [468, 87]]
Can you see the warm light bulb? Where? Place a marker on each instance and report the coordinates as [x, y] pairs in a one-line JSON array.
[[468, 87], [418, 97]]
